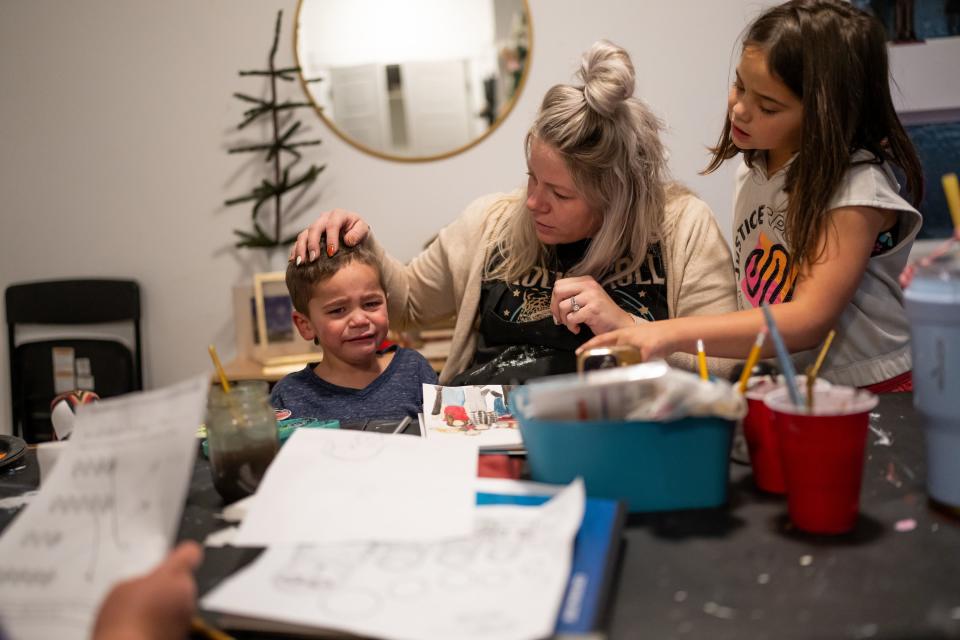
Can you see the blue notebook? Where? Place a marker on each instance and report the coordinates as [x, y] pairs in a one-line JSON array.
[[596, 553]]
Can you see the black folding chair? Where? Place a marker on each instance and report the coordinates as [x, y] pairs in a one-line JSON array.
[[114, 367]]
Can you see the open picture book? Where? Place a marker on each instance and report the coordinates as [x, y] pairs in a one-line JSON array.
[[480, 413]]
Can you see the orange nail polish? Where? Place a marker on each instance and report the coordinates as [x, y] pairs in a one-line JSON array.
[[329, 250]]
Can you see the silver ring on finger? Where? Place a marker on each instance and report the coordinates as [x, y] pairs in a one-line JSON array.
[[574, 307]]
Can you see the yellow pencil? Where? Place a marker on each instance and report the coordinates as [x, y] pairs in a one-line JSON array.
[[201, 628], [220, 372], [702, 361], [751, 360], [813, 371], [951, 189]]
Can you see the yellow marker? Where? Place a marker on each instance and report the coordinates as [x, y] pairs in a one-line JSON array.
[[951, 189], [702, 361], [751, 360], [813, 371], [219, 367]]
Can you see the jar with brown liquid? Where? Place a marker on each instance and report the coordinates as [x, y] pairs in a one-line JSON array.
[[242, 437]]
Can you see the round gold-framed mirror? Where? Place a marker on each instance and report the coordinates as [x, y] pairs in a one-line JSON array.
[[413, 80]]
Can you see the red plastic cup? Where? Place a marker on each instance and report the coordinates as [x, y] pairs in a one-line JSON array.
[[822, 455], [762, 441], [761, 435]]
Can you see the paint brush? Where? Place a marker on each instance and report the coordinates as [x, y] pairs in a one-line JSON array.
[[814, 370], [783, 356], [751, 360], [702, 361], [220, 372]]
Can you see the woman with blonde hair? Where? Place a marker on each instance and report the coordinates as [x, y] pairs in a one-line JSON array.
[[600, 239]]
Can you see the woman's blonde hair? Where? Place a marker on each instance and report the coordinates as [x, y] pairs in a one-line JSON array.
[[610, 142]]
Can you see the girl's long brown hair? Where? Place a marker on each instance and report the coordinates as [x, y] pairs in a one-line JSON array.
[[833, 57]]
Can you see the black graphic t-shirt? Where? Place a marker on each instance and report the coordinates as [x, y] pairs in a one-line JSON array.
[[518, 339]]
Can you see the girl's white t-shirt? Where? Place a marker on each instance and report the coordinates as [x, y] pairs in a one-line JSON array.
[[873, 336]]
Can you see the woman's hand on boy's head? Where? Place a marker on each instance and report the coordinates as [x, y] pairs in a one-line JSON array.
[[329, 226]]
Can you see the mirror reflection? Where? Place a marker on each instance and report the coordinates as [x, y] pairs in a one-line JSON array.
[[413, 79]]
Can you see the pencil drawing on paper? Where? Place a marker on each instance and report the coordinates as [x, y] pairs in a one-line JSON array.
[[95, 496], [325, 572], [355, 580], [353, 447], [27, 577], [503, 578]]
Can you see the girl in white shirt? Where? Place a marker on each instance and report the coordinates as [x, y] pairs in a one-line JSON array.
[[820, 230]]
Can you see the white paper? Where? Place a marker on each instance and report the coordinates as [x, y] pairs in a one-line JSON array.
[[605, 394], [221, 538], [652, 391], [237, 511], [15, 502], [108, 511], [48, 453], [504, 581], [82, 366], [63, 382], [63, 373], [329, 485], [63, 358], [475, 413]]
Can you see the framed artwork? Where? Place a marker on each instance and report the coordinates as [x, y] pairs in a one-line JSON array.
[[264, 324], [272, 310]]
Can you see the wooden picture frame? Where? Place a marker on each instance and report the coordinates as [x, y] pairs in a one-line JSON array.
[[275, 341]]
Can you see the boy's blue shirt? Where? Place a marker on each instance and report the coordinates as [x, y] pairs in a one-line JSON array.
[[396, 393]]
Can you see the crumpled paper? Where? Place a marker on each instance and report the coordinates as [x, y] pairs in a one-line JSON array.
[[652, 391]]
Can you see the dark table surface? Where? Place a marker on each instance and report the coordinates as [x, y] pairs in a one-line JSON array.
[[742, 572]]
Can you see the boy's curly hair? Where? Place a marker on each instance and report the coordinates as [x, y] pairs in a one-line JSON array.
[[302, 279]]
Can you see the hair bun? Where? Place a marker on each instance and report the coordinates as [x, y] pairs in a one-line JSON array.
[[608, 77]]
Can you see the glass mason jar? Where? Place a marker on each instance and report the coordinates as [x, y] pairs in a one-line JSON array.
[[242, 437]]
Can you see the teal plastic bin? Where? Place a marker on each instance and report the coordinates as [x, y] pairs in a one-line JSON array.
[[652, 466]]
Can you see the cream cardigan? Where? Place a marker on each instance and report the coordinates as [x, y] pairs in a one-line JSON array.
[[445, 279]]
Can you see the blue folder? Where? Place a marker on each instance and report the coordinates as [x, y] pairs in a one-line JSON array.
[[596, 553]]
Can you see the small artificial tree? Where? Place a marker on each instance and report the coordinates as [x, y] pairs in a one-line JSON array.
[[282, 142]]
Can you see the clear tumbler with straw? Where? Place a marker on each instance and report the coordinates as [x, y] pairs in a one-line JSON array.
[[933, 308]]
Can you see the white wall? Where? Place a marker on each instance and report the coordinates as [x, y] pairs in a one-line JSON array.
[[925, 75], [115, 117]]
